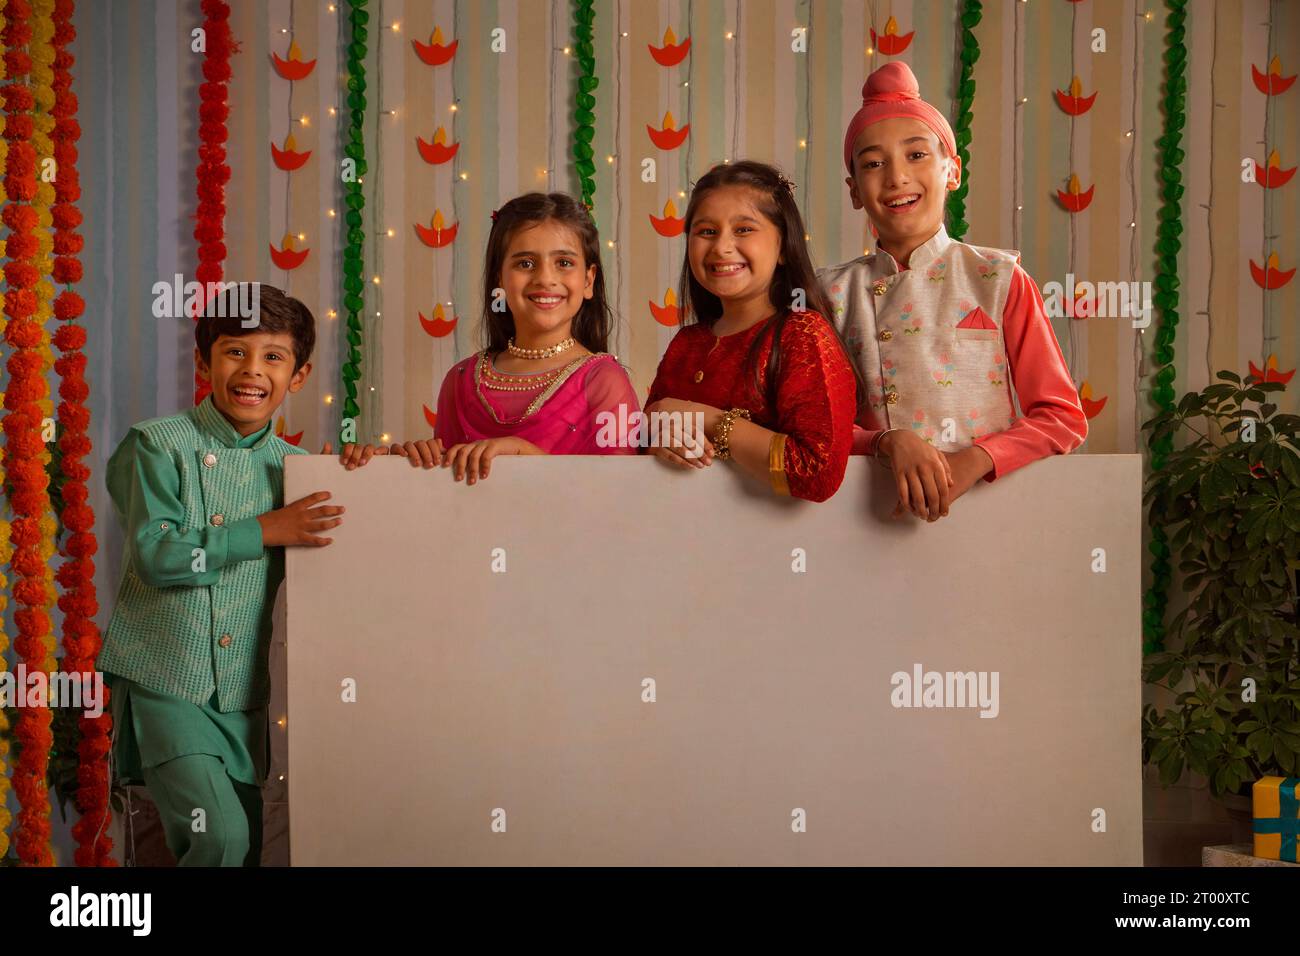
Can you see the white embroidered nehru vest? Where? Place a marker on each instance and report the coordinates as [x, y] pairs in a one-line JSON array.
[[928, 339]]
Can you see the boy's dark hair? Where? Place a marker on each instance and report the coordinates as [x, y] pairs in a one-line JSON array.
[[276, 312], [592, 323], [776, 202]]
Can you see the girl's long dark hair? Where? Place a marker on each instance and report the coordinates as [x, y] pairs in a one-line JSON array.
[[776, 203], [592, 323]]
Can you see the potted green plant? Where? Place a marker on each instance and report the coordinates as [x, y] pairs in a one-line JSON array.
[[1229, 501]]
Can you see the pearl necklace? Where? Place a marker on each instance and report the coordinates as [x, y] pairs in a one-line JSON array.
[[545, 353]]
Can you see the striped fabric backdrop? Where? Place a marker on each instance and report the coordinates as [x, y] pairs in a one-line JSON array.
[[745, 93]]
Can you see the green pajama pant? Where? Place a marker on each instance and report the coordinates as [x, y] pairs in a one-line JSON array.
[[227, 831]]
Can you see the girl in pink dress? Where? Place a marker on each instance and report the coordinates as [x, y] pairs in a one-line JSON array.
[[544, 383]]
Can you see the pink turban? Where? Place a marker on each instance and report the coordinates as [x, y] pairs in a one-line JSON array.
[[892, 91]]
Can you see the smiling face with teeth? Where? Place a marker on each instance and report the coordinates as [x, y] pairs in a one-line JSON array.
[[733, 251], [250, 376], [546, 281], [902, 179]]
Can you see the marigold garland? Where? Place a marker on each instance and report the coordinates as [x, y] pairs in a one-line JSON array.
[[21, 425], [6, 550], [79, 602], [212, 172]]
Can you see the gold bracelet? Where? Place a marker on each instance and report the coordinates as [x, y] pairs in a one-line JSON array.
[[722, 437]]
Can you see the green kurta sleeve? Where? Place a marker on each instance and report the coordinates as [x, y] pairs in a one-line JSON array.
[[145, 487]]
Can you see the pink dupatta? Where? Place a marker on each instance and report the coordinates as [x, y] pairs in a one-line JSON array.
[[562, 420]]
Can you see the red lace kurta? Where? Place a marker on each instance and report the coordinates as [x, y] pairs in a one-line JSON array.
[[815, 393]]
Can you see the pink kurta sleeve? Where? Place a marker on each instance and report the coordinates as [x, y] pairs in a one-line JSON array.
[[1053, 422], [607, 387], [447, 424], [866, 441]]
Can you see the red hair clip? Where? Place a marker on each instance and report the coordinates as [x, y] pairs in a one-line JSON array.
[[494, 215]]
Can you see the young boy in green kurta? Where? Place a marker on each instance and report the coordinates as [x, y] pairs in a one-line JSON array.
[[199, 496]]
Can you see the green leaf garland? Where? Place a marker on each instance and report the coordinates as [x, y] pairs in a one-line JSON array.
[[355, 149], [969, 52], [1174, 104], [584, 115]]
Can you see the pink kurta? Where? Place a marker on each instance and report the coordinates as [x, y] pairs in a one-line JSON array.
[[564, 423]]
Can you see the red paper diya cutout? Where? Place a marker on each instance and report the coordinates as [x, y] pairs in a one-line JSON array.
[[1074, 200], [440, 234], [889, 42], [1272, 277], [435, 52], [1074, 102], [670, 225], [279, 431], [1273, 175], [672, 52], [1273, 82], [286, 257], [668, 313], [295, 67], [439, 326], [1091, 408], [669, 137], [289, 158], [430, 417], [437, 152], [1269, 372]]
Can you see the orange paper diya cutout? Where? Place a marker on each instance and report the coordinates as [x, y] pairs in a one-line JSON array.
[[1272, 277], [437, 152], [890, 42], [1273, 175], [286, 257], [295, 67], [1091, 408], [670, 225], [1074, 102], [289, 158], [1074, 200], [435, 52], [672, 52], [1273, 82], [669, 137], [430, 417], [440, 234], [439, 326], [666, 314], [1269, 372], [279, 431]]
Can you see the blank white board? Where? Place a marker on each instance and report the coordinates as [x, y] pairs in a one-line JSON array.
[[501, 717]]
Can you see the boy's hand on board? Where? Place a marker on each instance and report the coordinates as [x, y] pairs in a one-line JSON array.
[[297, 524], [968, 466], [427, 453], [922, 474], [354, 456]]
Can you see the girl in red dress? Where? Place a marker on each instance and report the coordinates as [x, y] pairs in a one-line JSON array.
[[756, 356]]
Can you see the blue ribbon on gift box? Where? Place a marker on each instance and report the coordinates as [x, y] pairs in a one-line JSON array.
[[1288, 824]]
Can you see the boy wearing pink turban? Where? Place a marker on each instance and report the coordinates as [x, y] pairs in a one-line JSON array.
[[947, 335]]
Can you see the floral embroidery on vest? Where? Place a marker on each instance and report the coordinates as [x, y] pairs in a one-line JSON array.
[[922, 427], [935, 272], [943, 375], [997, 371], [988, 269], [910, 325]]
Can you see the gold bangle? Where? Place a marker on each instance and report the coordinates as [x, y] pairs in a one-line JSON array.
[[776, 464], [722, 436]]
